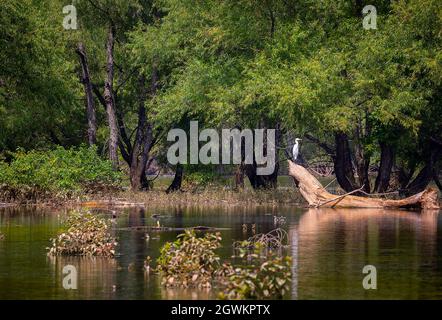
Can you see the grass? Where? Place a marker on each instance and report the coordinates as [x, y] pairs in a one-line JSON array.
[[216, 196], [219, 193]]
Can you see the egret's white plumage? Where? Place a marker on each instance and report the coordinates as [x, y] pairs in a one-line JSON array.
[[296, 149]]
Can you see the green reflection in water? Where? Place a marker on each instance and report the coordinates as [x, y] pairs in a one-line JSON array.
[[330, 248]]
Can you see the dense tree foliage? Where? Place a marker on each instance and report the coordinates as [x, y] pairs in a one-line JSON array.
[[364, 99]]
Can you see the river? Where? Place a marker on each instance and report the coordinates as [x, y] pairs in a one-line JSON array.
[[329, 248]]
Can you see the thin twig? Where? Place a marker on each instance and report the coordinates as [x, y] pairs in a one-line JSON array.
[[338, 199]]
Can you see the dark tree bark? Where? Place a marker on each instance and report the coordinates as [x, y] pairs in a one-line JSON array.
[[436, 180], [124, 144], [404, 177], [239, 177], [90, 104], [342, 164], [177, 180], [362, 159], [362, 165], [260, 181], [272, 18], [144, 136], [265, 181], [426, 174], [387, 159], [109, 98]]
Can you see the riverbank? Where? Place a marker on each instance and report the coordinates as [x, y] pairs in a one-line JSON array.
[[213, 196], [282, 195], [210, 195]]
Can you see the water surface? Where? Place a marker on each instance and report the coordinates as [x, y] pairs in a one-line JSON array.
[[330, 247]]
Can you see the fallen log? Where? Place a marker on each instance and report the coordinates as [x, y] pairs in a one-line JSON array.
[[317, 196], [110, 203]]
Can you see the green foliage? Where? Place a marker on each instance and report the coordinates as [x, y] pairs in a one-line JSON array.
[[200, 176], [308, 66], [40, 98], [189, 261], [61, 172], [85, 235], [266, 273], [192, 262], [269, 280]]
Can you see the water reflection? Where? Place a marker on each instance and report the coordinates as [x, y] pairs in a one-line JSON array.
[[329, 248], [334, 246], [96, 277]]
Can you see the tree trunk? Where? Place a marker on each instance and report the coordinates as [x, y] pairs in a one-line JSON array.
[[109, 98], [177, 180], [362, 159], [316, 196], [261, 182], [362, 165], [143, 138], [342, 164], [239, 177], [268, 181], [383, 178], [90, 105], [426, 174], [436, 180], [404, 177], [123, 143]]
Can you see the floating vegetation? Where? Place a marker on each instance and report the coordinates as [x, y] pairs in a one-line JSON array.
[[269, 280], [86, 235], [266, 275], [2, 236], [189, 261], [275, 239], [117, 203], [162, 228], [192, 262]]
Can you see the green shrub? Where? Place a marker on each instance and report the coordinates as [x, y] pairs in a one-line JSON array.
[[189, 261], [86, 235], [62, 172], [269, 280], [266, 273], [192, 262]]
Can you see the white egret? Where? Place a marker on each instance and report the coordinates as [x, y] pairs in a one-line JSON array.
[[296, 149]]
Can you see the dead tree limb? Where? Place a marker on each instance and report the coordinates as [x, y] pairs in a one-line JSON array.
[[314, 193]]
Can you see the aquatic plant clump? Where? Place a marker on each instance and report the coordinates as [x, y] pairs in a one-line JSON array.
[[86, 235], [270, 280], [262, 243], [192, 262], [189, 261]]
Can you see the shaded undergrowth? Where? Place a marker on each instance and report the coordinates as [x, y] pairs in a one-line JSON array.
[[56, 174]]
